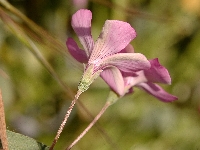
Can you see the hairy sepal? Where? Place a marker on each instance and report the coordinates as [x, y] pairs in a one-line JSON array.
[[88, 77]]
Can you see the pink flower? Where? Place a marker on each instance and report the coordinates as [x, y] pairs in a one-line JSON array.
[[145, 79], [104, 55]]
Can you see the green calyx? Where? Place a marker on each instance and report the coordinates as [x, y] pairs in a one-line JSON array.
[[87, 78]]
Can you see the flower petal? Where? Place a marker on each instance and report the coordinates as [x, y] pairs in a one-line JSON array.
[[74, 50], [157, 73], [81, 23], [113, 78], [126, 62], [128, 49], [115, 36], [133, 78], [157, 91]]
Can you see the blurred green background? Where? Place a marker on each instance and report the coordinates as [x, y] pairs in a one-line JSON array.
[[35, 100]]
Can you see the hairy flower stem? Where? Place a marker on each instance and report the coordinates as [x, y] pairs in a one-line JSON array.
[[112, 98], [107, 104], [65, 119]]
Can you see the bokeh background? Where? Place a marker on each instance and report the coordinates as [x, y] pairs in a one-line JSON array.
[[38, 77]]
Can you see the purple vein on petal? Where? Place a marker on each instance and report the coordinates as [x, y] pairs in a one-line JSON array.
[[126, 62], [115, 36]]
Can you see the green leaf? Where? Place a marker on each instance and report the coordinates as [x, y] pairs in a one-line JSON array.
[[18, 141]]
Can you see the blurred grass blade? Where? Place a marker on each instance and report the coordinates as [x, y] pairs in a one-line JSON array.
[[3, 74], [3, 125], [17, 31], [131, 11], [43, 35], [37, 33]]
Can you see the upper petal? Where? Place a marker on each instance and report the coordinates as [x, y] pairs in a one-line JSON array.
[[74, 50], [115, 36], [81, 23], [157, 91], [157, 73], [113, 78], [126, 62]]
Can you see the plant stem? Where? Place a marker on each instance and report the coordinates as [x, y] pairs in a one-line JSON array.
[[3, 136], [65, 120], [107, 104]]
